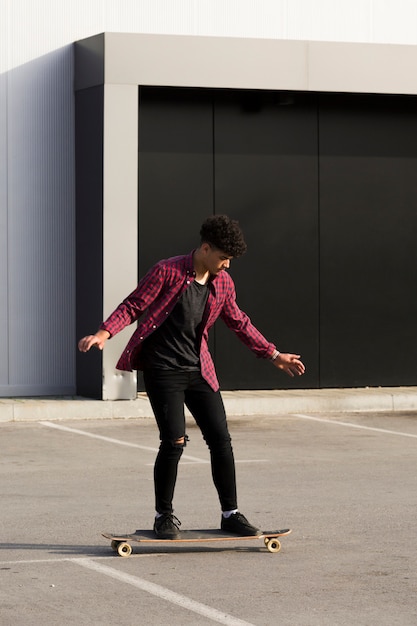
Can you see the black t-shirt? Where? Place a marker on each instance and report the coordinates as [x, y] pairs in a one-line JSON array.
[[176, 343]]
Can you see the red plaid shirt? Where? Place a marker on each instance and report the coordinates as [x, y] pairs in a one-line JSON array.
[[155, 297]]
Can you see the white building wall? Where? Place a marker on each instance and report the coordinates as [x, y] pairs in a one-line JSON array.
[[37, 223]]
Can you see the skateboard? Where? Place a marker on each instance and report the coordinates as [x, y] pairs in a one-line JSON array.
[[122, 543]]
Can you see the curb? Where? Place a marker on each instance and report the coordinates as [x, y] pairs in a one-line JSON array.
[[237, 403]]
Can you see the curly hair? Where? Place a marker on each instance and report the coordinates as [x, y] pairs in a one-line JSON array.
[[225, 234]]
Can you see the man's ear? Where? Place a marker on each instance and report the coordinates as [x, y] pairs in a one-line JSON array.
[[205, 248]]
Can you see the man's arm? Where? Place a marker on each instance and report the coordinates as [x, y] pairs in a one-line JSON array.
[[128, 311], [241, 325]]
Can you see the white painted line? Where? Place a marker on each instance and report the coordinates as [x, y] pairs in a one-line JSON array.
[[163, 593], [67, 559], [360, 426], [186, 459], [236, 461], [116, 441], [31, 561]]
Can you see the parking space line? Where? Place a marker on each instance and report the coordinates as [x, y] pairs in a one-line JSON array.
[[119, 442], [186, 459], [351, 425], [37, 561], [140, 583], [163, 593], [236, 461], [67, 559]]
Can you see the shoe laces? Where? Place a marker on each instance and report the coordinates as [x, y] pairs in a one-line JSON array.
[[170, 519]]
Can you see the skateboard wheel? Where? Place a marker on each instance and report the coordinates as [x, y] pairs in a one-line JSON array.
[[124, 549], [273, 545], [114, 545]]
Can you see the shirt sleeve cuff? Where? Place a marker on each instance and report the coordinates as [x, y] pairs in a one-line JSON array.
[[103, 326]]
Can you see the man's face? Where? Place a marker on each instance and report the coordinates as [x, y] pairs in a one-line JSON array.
[[216, 261]]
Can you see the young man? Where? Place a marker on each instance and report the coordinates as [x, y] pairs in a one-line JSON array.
[[178, 302]]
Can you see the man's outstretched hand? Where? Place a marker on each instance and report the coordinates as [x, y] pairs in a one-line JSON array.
[[98, 340], [290, 364]]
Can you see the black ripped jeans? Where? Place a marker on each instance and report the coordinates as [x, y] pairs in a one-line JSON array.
[[168, 391]]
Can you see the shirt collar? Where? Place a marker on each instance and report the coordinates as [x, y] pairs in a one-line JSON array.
[[189, 264]]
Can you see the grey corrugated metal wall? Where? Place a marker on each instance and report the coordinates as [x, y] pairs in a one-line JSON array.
[[37, 228]]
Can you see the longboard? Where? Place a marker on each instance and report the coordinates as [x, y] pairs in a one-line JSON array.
[[122, 543]]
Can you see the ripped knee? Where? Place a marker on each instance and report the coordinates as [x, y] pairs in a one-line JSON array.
[[181, 442]]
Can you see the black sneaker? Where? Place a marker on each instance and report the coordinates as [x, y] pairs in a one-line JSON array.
[[239, 525], [167, 526]]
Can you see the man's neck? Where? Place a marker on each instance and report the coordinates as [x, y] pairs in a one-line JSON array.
[[201, 272]]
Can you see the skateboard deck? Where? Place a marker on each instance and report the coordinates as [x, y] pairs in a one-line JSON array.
[[122, 543]]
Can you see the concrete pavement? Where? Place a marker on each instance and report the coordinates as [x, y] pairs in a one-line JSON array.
[[345, 483]]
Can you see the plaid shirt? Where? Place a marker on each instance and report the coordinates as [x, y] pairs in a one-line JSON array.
[[155, 297]]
